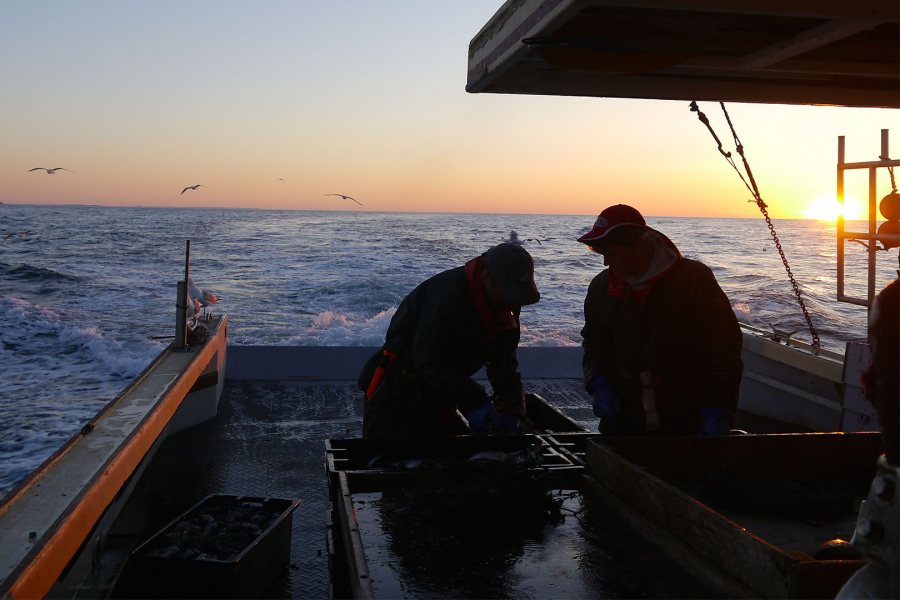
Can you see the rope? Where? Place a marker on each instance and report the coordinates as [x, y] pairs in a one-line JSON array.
[[763, 208], [893, 190], [891, 172]]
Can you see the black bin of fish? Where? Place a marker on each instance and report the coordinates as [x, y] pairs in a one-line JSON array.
[[225, 546]]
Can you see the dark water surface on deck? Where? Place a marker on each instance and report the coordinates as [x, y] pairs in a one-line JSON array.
[[485, 553], [494, 541]]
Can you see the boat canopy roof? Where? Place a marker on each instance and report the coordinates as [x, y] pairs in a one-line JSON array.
[[824, 52]]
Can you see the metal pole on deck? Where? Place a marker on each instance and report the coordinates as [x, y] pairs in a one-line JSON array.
[[840, 220], [181, 330]]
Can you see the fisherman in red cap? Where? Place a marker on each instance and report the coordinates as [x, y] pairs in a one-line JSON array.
[[420, 382], [662, 346]]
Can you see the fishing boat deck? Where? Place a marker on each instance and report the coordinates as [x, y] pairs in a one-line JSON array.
[[269, 440]]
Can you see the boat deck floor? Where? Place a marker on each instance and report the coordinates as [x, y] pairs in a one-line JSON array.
[[268, 440]]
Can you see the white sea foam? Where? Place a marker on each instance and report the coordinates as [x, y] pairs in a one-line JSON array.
[[78, 307], [331, 328], [742, 311]]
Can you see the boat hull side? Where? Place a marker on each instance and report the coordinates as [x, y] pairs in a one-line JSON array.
[[44, 525]]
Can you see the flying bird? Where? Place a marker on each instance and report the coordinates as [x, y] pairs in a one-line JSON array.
[[347, 198], [49, 171], [23, 234], [191, 187], [538, 240], [515, 239]]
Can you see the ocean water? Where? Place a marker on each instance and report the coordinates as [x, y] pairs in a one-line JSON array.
[[84, 293]]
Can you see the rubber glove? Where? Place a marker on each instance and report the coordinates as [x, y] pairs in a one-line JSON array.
[[715, 421], [606, 404], [481, 417], [506, 423]]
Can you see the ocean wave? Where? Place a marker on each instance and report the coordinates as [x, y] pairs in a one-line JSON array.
[[33, 273], [332, 328], [31, 330], [69, 343]]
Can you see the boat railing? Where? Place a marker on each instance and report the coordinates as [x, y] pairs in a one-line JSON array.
[[781, 337]]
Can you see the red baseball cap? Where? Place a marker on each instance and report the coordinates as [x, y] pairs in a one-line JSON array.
[[611, 219]]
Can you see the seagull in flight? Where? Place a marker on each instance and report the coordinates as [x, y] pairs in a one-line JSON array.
[[191, 187], [347, 198], [515, 239], [23, 234], [49, 171]]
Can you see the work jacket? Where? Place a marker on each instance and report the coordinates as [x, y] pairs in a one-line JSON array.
[[440, 339], [882, 379], [673, 349]]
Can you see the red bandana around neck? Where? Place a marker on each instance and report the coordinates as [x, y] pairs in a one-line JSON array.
[[494, 320], [616, 287]]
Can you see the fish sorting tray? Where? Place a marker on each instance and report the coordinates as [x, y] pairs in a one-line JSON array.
[[753, 513], [225, 546], [482, 517]]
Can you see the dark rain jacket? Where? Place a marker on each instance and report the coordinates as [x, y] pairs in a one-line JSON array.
[[681, 344], [441, 340], [882, 379]]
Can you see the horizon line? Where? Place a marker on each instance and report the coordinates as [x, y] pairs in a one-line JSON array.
[[412, 212]]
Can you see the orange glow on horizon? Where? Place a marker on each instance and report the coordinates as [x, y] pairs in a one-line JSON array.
[[828, 208]]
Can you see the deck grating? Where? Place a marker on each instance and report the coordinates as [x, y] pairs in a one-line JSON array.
[[269, 440]]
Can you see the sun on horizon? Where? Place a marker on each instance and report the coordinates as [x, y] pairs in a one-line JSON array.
[[827, 208]]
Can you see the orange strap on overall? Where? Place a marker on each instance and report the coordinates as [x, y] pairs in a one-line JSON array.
[[387, 359]]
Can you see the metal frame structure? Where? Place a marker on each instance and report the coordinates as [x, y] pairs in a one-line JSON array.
[[871, 237]]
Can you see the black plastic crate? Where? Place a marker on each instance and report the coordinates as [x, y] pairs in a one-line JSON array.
[[225, 546]]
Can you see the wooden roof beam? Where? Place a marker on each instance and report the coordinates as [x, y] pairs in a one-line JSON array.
[[799, 65], [663, 87], [811, 39], [882, 10]]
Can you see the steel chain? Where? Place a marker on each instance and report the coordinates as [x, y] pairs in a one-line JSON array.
[[816, 342], [812, 330]]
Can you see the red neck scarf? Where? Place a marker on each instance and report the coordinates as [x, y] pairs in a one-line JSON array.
[[617, 287], [495, 320]]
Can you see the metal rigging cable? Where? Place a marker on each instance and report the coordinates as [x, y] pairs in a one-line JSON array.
[[893, 191], [763, 207]]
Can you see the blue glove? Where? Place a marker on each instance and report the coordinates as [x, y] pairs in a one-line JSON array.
[[715, 421], [606, 404], [481, 417], [506, 423]]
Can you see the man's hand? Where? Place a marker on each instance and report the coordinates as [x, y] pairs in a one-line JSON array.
[[507, 423], [715, 421], [606, 404], [482, 416]]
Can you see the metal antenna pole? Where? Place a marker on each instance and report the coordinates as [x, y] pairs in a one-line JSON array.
[[181, 329]]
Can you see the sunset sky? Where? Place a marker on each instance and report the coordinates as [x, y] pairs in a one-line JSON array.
[[140, 99]]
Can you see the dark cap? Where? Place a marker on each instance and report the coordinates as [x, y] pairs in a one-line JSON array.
[[614, 218], [513, 269]]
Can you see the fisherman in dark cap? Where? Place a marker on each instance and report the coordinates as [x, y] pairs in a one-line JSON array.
[[662, 346], [420, 382]]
